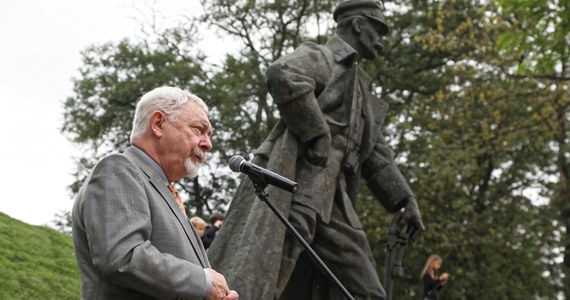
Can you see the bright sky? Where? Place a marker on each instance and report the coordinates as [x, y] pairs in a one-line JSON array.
[[39, 55]]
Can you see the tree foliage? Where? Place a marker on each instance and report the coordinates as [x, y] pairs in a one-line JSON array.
[[484, 145], [469, 136], [539, 35]]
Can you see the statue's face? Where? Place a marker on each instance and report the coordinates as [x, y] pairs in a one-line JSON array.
[[370, 39]]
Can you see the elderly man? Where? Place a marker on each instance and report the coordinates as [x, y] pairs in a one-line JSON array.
[[131, 234], [328, 138]]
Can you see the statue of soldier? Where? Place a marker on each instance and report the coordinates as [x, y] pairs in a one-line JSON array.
[[329, 137]]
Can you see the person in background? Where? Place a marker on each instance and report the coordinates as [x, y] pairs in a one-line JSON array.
[[216, 221], [199, 224], [131, 235], [432, 282]]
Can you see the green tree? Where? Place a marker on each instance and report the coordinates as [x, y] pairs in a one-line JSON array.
[[539, 35], [468, 138]]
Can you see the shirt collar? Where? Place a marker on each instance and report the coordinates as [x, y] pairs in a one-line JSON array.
[[153, 163], [341, 49]]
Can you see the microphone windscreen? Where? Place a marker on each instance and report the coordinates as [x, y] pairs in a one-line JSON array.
[[235, 163]]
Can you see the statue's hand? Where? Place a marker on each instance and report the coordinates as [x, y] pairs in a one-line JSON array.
[[413, 219], [318, 151]]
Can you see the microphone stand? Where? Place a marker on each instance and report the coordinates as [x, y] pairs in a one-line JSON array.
[[260, 186]]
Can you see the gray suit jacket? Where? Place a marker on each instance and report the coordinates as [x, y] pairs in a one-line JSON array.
[[131, 239]]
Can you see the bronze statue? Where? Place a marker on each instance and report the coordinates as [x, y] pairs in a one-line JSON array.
[[328, 138]]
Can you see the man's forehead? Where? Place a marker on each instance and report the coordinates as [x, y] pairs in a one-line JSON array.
[[195, 109], [194, 113]]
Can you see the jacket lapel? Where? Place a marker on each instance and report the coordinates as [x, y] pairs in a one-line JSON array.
[[158, 183]]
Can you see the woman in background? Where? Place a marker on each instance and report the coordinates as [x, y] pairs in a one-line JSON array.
[[199, 225], [432, 282]]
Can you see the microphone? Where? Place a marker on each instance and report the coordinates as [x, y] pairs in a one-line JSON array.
[[260, 175]]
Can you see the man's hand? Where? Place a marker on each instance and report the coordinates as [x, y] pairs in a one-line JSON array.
[[220, 288], [219, 223], [413, 219], [233, 295], [318, 151]]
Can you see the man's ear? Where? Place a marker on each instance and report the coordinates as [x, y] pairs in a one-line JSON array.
[[157, 121], [356, 23]]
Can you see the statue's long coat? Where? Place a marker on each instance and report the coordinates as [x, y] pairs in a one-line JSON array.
[[313, 88]]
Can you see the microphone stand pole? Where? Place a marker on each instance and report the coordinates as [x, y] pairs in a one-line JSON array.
[[260, 192]]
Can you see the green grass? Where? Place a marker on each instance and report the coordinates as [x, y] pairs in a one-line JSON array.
[[36, 262]]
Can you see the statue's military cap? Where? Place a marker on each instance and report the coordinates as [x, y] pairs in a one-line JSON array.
[[371, 9]]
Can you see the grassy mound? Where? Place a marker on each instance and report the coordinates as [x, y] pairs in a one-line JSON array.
[[36, 262]]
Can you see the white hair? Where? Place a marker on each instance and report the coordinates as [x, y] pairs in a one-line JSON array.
[[170, 100]]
